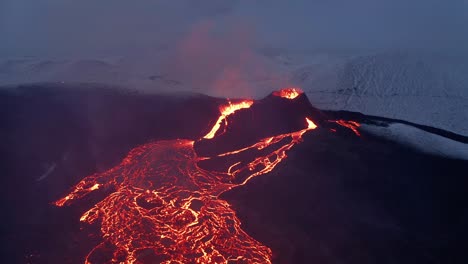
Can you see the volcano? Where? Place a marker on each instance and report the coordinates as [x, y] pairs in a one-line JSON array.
[[165, 204], [112, 176]]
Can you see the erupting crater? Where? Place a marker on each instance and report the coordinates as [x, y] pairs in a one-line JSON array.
[[288, 93], [165, 207]]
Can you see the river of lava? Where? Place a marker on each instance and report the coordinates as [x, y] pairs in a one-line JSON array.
[[167, 209]]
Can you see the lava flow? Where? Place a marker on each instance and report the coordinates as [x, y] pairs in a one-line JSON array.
[[353, 125], [226, 111], [166, 208]]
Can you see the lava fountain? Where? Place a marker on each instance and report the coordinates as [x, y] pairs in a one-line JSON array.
[[166, 207]]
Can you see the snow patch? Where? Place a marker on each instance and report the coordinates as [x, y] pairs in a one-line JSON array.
[[420, 140]]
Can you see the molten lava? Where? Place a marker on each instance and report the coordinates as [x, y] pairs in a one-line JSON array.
[[225, 111], [353, 125], [166, 206], [288, 93]]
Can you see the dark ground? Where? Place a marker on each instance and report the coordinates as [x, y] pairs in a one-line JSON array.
[[338, 198]]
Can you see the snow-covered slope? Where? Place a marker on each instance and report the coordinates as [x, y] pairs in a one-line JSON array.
[[420, 140], [430, 90], [421, 88]]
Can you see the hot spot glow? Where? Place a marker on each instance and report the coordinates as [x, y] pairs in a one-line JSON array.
[[310, 124], [225, 111], [288, 93]]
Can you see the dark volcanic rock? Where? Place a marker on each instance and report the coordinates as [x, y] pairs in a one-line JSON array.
[[337, 198]]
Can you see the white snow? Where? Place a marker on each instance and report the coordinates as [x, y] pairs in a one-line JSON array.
[[428, 89], [420, 140], [425, 89]]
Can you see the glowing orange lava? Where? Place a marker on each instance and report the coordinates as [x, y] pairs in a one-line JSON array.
[[353, 125], [288, 93], [165, 205], [225, 111]]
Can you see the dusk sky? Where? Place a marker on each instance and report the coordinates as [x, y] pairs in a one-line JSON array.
[[109, 27]]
